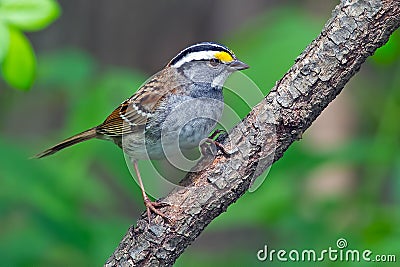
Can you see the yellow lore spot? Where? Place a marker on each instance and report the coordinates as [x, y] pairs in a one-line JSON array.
[[224, 56]]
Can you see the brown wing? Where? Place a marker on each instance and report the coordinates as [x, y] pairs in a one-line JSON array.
[[114, 125], [140, 107]]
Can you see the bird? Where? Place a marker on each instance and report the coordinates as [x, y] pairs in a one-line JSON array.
[[175, 109]]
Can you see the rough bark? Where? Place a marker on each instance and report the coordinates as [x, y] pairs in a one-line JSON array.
[[356, 29]]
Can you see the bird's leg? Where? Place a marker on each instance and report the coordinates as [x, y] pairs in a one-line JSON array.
[[150, 205], [218, 145], [210, 140]]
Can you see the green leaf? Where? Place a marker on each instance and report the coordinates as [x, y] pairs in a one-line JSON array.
[[5, 41], [19, 65], [29, 15]]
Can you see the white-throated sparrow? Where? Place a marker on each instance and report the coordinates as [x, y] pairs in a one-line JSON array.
[[177, 108]]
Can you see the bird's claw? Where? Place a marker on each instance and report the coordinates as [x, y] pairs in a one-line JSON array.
[[151, 206]]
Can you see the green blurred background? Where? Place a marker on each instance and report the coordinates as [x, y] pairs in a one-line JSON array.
[[340, 181]]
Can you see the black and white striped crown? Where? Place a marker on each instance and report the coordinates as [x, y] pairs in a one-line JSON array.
[[202, 51]]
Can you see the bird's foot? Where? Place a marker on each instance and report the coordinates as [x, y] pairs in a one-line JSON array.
[[151, 206], [211, 140], [220, 146]]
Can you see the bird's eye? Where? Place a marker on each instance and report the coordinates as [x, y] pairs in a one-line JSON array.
[[214, 62]]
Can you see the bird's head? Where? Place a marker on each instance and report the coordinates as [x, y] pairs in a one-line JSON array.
[[207, 62]]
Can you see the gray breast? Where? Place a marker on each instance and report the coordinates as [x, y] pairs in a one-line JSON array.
[[184, 120], [190, 121]]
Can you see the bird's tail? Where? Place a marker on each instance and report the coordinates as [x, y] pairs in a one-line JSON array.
[[83, 136]]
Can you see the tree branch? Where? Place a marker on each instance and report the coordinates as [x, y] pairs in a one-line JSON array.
[[357, 28]]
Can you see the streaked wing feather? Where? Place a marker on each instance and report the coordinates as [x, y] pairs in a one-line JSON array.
[[114, 125], [139, 108]]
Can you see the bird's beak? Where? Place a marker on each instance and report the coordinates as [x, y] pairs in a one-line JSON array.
[[238, 65]]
